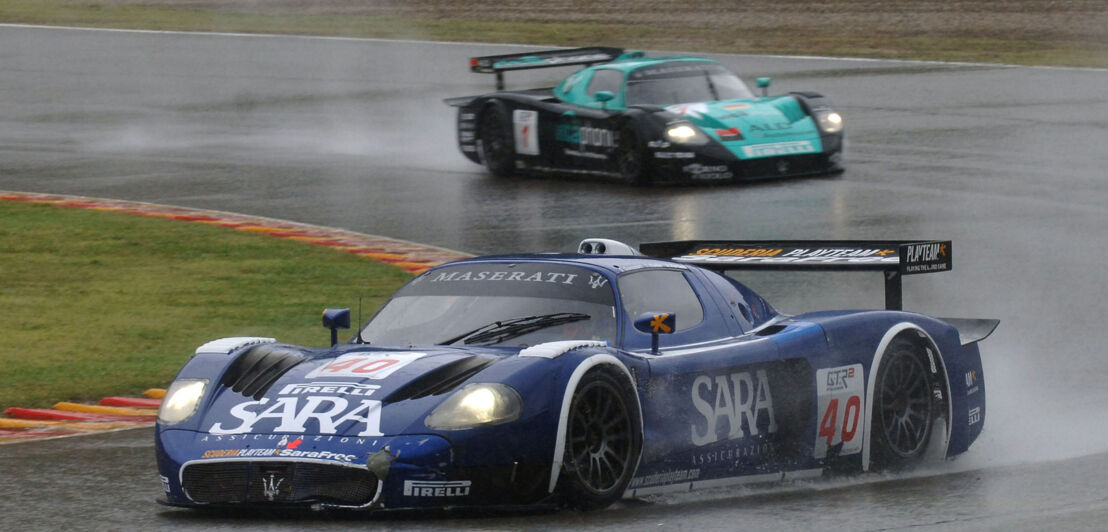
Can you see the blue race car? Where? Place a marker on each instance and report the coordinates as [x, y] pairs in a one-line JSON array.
[[578, 379], [645, 119]]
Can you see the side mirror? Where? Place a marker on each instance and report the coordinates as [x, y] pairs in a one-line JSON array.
[[604, 97], [763, 83], [656, 323], [335, 319]]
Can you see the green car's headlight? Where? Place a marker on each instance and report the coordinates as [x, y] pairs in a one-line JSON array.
[[181, 400], [684, 133], [830, 121], [477, 404]]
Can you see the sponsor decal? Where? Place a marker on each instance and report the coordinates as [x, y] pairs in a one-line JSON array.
[[695, 110], [975, 415], [779, 148], [674, 155], [665, 477], [556, 60], [740, 252], [278, 453], [506, 276], [428, 488], [329, 414], [337, 388], [733, 407], [971, 383], [662, 323], [729, 134], [839, 391], [658, 144], [734, 106], [732, 454], [585, 137], [585, 154], [365, 365], [596, 281], [926, 257], [926, 252], [525, 125], [776, 129], [700, 171], [165, 482]]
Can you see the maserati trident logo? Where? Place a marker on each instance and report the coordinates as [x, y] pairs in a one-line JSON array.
[[271, 486], [597, 281]]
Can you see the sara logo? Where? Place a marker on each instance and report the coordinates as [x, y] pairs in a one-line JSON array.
[[733, 406], [296, 415], [365, 365]]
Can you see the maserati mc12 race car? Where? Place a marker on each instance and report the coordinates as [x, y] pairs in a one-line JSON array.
[[578, 379], [644, 119]]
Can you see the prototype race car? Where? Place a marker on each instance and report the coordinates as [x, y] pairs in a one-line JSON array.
[[645, 119], [577, 379]]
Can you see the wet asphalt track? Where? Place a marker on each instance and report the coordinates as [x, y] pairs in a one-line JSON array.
[[1008, 162]]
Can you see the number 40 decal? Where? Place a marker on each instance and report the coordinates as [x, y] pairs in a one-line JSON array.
[[840, 392]]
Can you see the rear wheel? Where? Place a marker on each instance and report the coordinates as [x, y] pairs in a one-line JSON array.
[[602, 441], [905, 407], [494, 141]]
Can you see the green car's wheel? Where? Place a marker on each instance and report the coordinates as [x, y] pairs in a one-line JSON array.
[[494, 141], [602, 441], [629, 157]]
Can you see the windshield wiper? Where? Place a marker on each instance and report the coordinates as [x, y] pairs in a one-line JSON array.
[[711, 86], [498, 331]]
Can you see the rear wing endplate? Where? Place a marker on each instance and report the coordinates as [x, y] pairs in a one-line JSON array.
[[498, 64], [893, 258]]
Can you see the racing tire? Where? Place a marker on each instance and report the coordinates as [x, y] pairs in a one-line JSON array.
[[629, 157], [905, 407], [494, 141], [602, 441]]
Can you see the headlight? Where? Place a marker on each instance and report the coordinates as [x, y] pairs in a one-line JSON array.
[[477, 404], [830, 121], [181, 400], [685, 134]]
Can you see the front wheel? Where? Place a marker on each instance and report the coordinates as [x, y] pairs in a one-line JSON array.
[[602, 441], [905, 408]]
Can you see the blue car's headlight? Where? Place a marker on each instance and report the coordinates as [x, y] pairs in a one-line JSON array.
[[829, 121], [477, 404], [181, 400], [685, 133]]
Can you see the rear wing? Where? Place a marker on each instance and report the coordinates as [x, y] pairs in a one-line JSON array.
[[894, 258], [498, 64]]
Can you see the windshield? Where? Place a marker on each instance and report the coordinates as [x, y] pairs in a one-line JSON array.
[[497, 304], [684, 82]]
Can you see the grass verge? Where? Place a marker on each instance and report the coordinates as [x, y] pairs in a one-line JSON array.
[[97, 303], [1025, 32]]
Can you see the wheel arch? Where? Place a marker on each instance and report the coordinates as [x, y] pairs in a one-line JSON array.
[[591, 362], [916, 334]]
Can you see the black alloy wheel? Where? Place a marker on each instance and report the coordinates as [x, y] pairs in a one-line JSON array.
[[602, 442], [905, 408], [495, 142]]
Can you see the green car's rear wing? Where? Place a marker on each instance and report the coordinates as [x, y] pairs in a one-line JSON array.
[[894, 258], [498, 64]]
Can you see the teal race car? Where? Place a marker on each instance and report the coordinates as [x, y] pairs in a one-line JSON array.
[[645, 119]]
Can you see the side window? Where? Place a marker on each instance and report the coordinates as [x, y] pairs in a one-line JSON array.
[[605, 79], [661, 291]]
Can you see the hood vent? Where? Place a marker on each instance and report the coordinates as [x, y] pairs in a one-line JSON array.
[[440, 380], [254, 371]]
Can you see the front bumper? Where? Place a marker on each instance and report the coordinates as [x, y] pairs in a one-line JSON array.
[[715, 163], [331, 472]]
